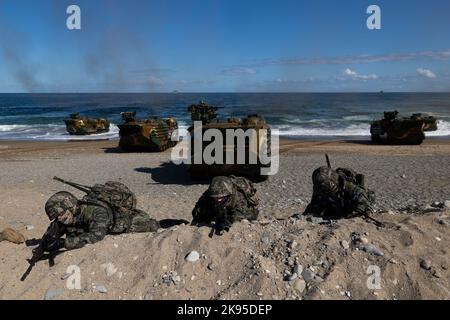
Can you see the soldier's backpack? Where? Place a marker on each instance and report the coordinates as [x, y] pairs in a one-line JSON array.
[[247, 189], [114, 194]]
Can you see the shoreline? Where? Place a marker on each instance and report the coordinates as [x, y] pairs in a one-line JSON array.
[[431, 146]]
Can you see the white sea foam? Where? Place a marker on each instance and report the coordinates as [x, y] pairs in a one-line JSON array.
[[58, 132], [50, 132], [362, 129], [443, 129]]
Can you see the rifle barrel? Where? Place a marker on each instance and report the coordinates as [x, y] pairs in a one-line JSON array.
[[328, 161], [81, 187]]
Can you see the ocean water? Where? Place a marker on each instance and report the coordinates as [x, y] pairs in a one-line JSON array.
[[299, 115]]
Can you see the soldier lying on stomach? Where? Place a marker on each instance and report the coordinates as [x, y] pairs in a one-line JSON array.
[[88, 221]]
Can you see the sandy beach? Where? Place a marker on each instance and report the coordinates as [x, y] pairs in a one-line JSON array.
[[251, 261]]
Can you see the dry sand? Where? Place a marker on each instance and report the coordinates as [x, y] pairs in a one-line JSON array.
[[253, 260]]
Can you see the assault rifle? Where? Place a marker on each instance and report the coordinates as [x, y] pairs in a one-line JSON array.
[[49, 236]]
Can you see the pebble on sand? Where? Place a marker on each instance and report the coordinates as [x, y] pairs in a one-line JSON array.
[[100, 288], [425, 264], [299, 285], [371, 249], [308, 275], [192, 256], [298, 269], [345, 244], [447, 204]]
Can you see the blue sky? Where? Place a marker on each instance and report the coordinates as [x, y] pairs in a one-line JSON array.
[[224, 46]]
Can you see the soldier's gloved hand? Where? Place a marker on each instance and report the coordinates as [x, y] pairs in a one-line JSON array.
[[55, 245]]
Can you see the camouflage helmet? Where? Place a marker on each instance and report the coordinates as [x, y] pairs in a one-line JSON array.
[[221, 187], [326, 180], [60, 203]]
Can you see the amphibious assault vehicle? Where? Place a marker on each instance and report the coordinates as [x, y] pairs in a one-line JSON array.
[[395, 129], [250, 135], [152, 134], [77, 125]]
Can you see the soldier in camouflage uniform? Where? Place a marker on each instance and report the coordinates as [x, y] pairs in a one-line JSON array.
[[227, 200], [86, 223], [339, 193]]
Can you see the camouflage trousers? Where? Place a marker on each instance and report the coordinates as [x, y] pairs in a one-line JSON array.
[[137, 221]]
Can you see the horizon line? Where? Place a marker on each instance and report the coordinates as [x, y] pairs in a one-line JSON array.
[[223, 92]]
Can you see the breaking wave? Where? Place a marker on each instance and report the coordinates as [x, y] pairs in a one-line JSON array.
[[362, 129], [51, 132]]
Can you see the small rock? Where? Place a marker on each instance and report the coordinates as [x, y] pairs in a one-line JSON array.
[[348, 294], [356, 237], [211, 266], [437, 204], [116, 245], [292, 244], [403, 176], [171, 277], [429, 209], [299, 285], [393, 261], [438, 239], [291, 277], [192, 256], [435, 273], [29, 227], [308, 275], [345, 244], [298, 269], [425, 264], [100, 288], [447, 204], [219, 282], [371, 249], [444, 222], [364, 240], [315, 220]]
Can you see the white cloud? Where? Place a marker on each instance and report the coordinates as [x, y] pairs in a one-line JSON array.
[[443, 55], [355, 76], [426, 73], [238, 71], [155, 81]]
